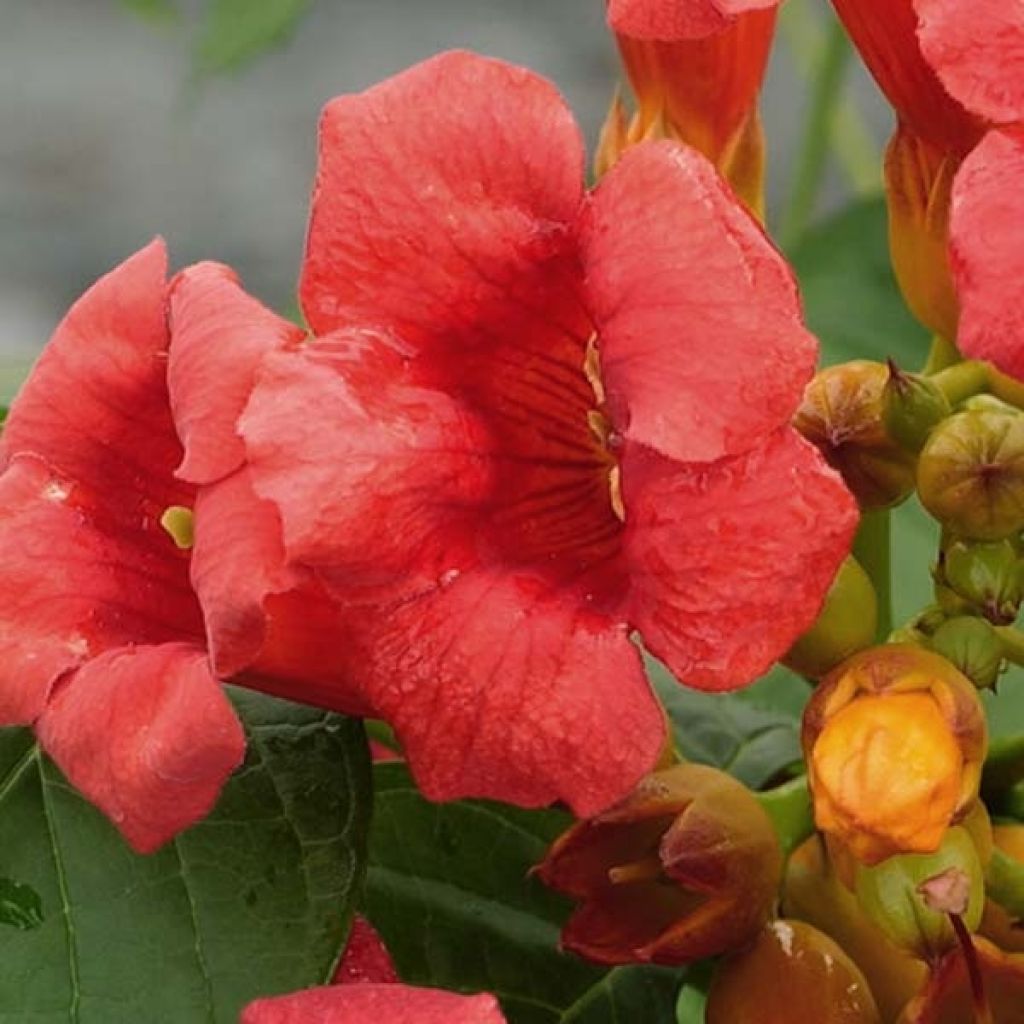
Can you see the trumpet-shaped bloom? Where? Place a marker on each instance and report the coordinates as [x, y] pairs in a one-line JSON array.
[[103, 640], [696, 67], [374, 1004], [530, 421]]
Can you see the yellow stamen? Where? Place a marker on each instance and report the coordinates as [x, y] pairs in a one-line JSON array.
[[592, 369], [177, 521], [647, 870], [615, 488]]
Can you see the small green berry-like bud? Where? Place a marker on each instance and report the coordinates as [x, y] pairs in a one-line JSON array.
[[841, 414], [970, 475], [971, 644], [912, 406], [900, 894], [846, 624], [989, 576]]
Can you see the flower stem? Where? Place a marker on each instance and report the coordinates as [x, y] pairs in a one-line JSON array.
[[982, 1007], [829, 76], [941, 355], [973, 377], [872, 548], [1012, 641], [789, 808]]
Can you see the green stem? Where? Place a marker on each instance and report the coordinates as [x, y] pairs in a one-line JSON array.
[[972, 377], [941, 355], [814, 147], [1013, 643], [872, 547], [789, 808]]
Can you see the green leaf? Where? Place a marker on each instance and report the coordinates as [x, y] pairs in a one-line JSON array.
[[255, 900], [754, 734], [851, 299], [20, 905], [233, 32], [449, 888]]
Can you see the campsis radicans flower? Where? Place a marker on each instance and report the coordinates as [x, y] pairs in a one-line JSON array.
[[894, 739], [528, 422], [687, 866], [696, 68], [102, 638], [374, 1004]]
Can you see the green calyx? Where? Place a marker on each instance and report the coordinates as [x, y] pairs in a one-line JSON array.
[[912, 406]]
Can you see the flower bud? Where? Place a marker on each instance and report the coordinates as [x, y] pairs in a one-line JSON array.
[[812, 892], [912, 406], [842, 414], [895, 894], [687, 866], [990, 576], [847, 624], [971, 645], [792, 973], [894, 740], [970, 475], [947, 998], [1003, 920]]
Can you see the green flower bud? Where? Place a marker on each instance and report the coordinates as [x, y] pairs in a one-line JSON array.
[[841, 414], [989, 576], [972, 645], [847, 624], [891, 894], [912, 406], [970, 475]]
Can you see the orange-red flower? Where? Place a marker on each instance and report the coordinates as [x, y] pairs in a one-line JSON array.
[[530, 422], [696, 68], [102, 639]]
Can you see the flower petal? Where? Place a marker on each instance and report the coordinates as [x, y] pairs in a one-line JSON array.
[[977, 50], [374, 1004], [219, 334], [274, 621], [366, 959], [702, 346], [436, 190], [73, 583], [730, 563], [499, 687], [986, 227], [95, 405], [147, 735], [674, 20], [388, 468]]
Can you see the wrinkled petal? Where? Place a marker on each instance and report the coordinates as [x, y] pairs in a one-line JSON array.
[[498, 688], [388, 468], [272, 620], [703, 350], [374, 1004], [147, 735], [986, 228], [672, 20], [977, 50], [95, 405], [73, 583], [437, 192], [730, 563], [219, 334]]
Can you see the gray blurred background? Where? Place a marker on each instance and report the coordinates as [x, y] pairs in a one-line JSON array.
[[106, 141]]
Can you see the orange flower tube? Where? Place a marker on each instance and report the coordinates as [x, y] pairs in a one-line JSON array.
[[696, 68]]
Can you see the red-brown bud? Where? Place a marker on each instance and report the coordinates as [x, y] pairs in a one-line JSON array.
[[792, 973], [687, 866]]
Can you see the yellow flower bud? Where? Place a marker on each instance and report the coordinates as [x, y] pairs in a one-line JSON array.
[[894, 740], [793, 972]]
